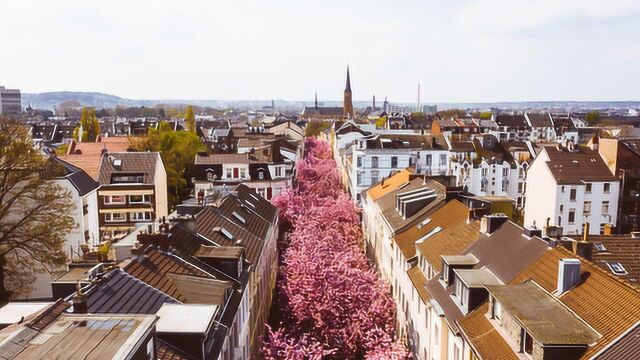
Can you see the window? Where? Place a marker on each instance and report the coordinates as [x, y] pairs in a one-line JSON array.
[[239, 217], [261, 174], [485, 172], [572, 216], [443, 160], [461, 292], [497, 309], [436, 335], [587, 208], [374, 176], [607, 188], [359, 161], [359, 178], [526, 342], [394, 162], [115, 217], [226, 233], [505, 172], [210, 175], [115, 199], [521, 172], [428, 160], [605, 207], [562, 189], [599, 247], [521, 187], [139, 199], [617, 268], [561, 208], [602, 227], [278, 171], [572, 194], [456, 352], [127, 179], [229, 173], [587, 188], [140, 216], [559, 221], [374, 162], [242, 173]]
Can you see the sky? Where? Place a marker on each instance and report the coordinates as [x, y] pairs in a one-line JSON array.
[[458, 50]]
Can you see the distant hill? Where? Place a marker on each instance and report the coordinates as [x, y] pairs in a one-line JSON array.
[[50, 100]]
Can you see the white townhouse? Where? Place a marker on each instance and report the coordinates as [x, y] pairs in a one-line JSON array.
[[571, 186]]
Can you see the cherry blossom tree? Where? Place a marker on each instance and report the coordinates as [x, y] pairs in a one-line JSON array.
[[333, 304]]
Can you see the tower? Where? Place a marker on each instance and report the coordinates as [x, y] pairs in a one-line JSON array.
[[348, 104], [316, 103]]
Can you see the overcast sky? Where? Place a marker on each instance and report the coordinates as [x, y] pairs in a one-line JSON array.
[[460, 51]]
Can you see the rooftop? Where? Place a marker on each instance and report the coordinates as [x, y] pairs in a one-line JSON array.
[[185, 319], [477, 278], [575, 167], [543, 315]]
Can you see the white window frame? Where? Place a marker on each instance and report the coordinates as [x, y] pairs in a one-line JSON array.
[[108, 200]]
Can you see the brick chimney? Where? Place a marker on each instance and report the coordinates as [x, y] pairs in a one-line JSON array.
[[80, 301]]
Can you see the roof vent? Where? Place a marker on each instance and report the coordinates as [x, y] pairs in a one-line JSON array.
[[568, 274]]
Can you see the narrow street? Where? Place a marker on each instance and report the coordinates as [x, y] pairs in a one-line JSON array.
[[332, 304]]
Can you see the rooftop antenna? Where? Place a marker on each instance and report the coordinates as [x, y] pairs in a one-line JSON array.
[[418, 109]]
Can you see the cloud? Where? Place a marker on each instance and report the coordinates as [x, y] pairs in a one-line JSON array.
[[508, 16]]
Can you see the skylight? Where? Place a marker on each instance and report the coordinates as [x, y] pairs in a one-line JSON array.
[[226, 233], [423, 223], [617, 268], [600, 247], [240, 218], [436, 230]]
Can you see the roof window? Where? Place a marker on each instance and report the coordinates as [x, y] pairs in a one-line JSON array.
[[240, 218], [226, 233], [617, 268]]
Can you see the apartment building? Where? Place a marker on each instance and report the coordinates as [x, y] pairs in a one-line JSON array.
[[133, 192], [568, 186], [10, 101]]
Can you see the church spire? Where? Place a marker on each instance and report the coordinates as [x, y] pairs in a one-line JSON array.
[[348, 86], [348, 103], [316, 103]]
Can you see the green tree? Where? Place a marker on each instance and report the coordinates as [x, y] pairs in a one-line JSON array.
[[89, 124], [34, 213], [190, 119], [314, 128], [178, 150], [592, 118]]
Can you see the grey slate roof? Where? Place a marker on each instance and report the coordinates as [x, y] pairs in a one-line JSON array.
[[132, 162]]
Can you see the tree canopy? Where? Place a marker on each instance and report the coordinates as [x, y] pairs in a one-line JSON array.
[[333, 304], [592, 118], [89, 125], [178, 150], [34, 213], [190, 119]]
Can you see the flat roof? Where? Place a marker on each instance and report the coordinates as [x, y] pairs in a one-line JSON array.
[[75, 274], [185, 318], [466, 259], [477, 278], [543, 315], [13, 312], [86, 337]]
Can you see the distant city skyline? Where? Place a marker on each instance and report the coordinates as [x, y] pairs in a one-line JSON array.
[[467, 51]]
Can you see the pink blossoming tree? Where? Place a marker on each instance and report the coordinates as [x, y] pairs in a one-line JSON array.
[[333, 304]]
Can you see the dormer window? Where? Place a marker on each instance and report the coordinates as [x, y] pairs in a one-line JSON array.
[[461, 292], [261, 174], [211, 176], [600, 247], [526, 342]]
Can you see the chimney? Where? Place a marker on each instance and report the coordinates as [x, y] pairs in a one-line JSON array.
[[608, 229], [532, 231], [568, 274], [585, 232], [137, 249], [553, 231], [583, 249], [80, 301], [490, 223]]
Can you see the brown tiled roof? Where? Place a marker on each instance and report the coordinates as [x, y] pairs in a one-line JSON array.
[[540, 119], [609, 305], [155, 265], [573, 167], [97, 148], [627, 347], [485, 340], [619, 248], [462, 146], [456, 235], [132, 162], [389, 184], [244, 215], [263, 207], [419, 282], [511, 121], [89, 163], [447, 217]]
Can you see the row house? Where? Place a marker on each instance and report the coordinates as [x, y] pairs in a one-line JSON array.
[[267, 169], [218, 137], [486, 167], [206, 281], [622, 156], [570, 186]]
